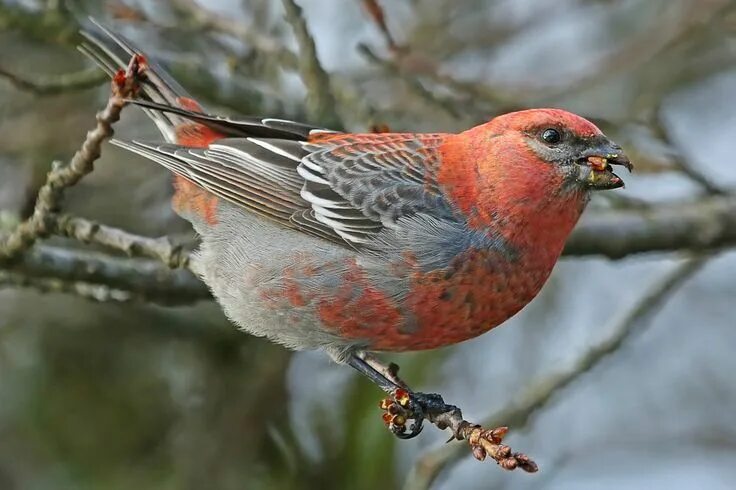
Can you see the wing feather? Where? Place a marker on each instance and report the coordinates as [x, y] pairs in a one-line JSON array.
[[346, 188]]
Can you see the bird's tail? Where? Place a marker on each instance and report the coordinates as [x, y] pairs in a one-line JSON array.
[[111, 52]]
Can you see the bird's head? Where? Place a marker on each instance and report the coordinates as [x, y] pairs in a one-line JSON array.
[[562, 145], [536, 166]]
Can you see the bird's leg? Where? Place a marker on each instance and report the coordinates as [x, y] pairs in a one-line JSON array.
[[390, 371], [373, 371], [404, 404]]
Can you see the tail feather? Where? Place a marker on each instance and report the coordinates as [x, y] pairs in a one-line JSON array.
[[178, 116], [111, 52], [241, 127]]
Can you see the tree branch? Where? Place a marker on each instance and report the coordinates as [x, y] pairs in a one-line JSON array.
[[162, 249], [705, 224], [660, 131], [94, 292], [519, 412], [88, 274], [395, 69], [148, 280], [42, 221], [321, 104], [49, 25], [68, 82], [209, 20]]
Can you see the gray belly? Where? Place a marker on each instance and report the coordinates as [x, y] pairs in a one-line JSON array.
[[242, 256]]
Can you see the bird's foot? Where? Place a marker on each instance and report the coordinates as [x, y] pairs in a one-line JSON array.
[[404, 406], [398, 411]]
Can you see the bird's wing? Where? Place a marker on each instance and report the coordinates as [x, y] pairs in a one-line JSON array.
[[346, 188], [357, 185]]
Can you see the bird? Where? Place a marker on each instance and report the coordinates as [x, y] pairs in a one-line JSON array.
[[359, 243]]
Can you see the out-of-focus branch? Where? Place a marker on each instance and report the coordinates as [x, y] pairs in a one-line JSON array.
[[375, 10], [687, 20], [683, 165], [519, 412], [68, 82], [321, 103], [94, 292], [148, 280], [705, 224], [49, 25], [409, 66], [394, 69], [209, 20]]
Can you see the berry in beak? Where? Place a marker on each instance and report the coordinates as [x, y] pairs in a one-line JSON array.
[[596, 166]]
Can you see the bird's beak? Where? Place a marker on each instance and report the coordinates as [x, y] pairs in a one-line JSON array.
[[595, 165]]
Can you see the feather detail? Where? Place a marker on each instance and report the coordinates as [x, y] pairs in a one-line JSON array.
[[347, 189]]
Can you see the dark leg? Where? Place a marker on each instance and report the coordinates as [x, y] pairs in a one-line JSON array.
[[358, 362], [389, 371], [404, 404]]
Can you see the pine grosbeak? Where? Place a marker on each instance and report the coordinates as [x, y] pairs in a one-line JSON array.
[[354, 243]]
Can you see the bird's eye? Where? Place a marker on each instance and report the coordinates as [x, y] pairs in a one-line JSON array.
[[551, 136]]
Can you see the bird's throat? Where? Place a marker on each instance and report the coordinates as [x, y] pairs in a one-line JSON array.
[[540, 227]]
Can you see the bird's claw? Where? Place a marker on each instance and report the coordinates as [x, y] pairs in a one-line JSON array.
[[488, 443], [400, 408]]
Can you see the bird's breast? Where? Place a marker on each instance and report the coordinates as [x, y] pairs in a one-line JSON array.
[[478, 292]]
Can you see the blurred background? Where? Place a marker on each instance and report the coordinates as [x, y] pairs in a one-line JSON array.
[[619, 375]]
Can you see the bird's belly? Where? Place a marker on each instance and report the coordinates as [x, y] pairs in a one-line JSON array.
[[306, 303], [256, 272], [371, 306], [272, 282]]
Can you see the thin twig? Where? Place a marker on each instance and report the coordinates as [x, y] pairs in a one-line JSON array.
[[519, 412], [661, 132], [209, 20], [401, 56], [392, 68], [680, 26], [375, 10], [321, 104], [60, 84], [42, 221], [162, 249]]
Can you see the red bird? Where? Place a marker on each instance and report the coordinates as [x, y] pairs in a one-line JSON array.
[[354, 243]]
